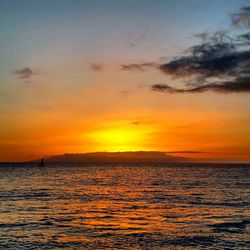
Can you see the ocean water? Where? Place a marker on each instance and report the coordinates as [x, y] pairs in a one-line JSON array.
[[129, 206]]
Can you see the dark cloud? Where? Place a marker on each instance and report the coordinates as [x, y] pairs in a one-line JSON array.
[[218, 59], [139, 66], [96, 66], [24, 73], [165, 88], [240, 85], [220, 63]]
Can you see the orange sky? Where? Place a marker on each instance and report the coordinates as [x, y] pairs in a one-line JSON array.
[[221, 133]]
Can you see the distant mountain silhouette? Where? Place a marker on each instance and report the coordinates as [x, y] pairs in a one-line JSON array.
[[117, 157]]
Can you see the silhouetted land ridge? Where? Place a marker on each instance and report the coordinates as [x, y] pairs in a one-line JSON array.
[[140, 156]]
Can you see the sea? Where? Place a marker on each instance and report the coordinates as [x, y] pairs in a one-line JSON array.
[[124, 206]]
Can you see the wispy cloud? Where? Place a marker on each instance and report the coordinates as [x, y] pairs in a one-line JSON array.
[[135, 123], [24, 73], [96, 66], [125, 92], [136, 37], [139, 66]]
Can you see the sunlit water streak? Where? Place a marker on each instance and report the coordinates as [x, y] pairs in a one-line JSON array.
[[73, 206]]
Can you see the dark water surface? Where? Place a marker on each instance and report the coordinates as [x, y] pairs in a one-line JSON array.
[[174, 206]]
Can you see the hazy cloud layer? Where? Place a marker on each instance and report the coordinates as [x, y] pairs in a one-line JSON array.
[[220, 63], [186, 152], [24, 73]]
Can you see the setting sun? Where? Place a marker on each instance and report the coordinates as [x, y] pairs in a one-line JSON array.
[[126, 138]]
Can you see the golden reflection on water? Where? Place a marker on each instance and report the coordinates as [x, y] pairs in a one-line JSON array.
[[125, 207]]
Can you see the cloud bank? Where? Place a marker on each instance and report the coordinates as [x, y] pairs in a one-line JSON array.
[[220, 63]]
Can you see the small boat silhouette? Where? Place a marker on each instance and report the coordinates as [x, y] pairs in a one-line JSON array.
[[42, 163]]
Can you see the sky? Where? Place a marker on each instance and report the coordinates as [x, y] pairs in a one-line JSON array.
[[114, 75]]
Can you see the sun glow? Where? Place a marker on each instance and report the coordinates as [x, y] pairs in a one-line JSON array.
[[121, 139]]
